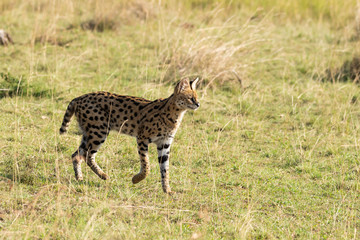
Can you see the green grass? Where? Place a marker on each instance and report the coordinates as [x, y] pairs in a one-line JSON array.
[[275, 157]]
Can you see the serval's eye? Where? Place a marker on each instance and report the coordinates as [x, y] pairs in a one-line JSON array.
[[193, 100]]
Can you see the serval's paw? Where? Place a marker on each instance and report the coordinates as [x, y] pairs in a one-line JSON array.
[[171, 193], [79, 179], [137, 178], [104, 176]]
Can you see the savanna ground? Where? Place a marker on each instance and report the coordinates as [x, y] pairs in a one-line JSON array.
[[273, 151]]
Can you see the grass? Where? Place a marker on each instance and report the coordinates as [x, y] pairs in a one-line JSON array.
[[274, 157]]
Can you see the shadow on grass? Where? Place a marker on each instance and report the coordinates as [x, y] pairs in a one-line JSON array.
[[348, 72], [37, 181], [11, 86]]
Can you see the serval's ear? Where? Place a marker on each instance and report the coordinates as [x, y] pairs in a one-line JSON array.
[[193, 83], [182, 85]]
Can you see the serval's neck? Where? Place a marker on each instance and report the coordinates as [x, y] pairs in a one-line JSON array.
[[172, 112]]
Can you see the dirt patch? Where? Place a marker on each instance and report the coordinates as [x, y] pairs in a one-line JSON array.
[[349, 71]]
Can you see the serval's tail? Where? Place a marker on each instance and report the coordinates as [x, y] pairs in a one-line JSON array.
[[67, 117]]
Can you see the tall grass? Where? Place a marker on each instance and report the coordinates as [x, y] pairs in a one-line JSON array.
[[271, 153]]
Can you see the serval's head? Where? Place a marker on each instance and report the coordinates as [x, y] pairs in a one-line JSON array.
[[185, 94]]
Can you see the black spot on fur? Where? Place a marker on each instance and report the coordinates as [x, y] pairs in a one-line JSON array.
[[143, 144], [163, 159], [163, 172], [143, 106]]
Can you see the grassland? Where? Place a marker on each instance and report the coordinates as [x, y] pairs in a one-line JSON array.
[[276, 156]]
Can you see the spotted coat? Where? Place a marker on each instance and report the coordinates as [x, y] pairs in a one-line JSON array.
[[148, 121]]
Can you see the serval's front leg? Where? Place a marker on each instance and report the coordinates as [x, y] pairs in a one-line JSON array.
[[163, 156], [144, 161]]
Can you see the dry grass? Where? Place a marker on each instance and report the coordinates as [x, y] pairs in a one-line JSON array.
[[214, 53], [225, 52], [275, 159]]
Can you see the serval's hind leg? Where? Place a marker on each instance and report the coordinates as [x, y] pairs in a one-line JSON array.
[[78, 157], [93, 146]]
